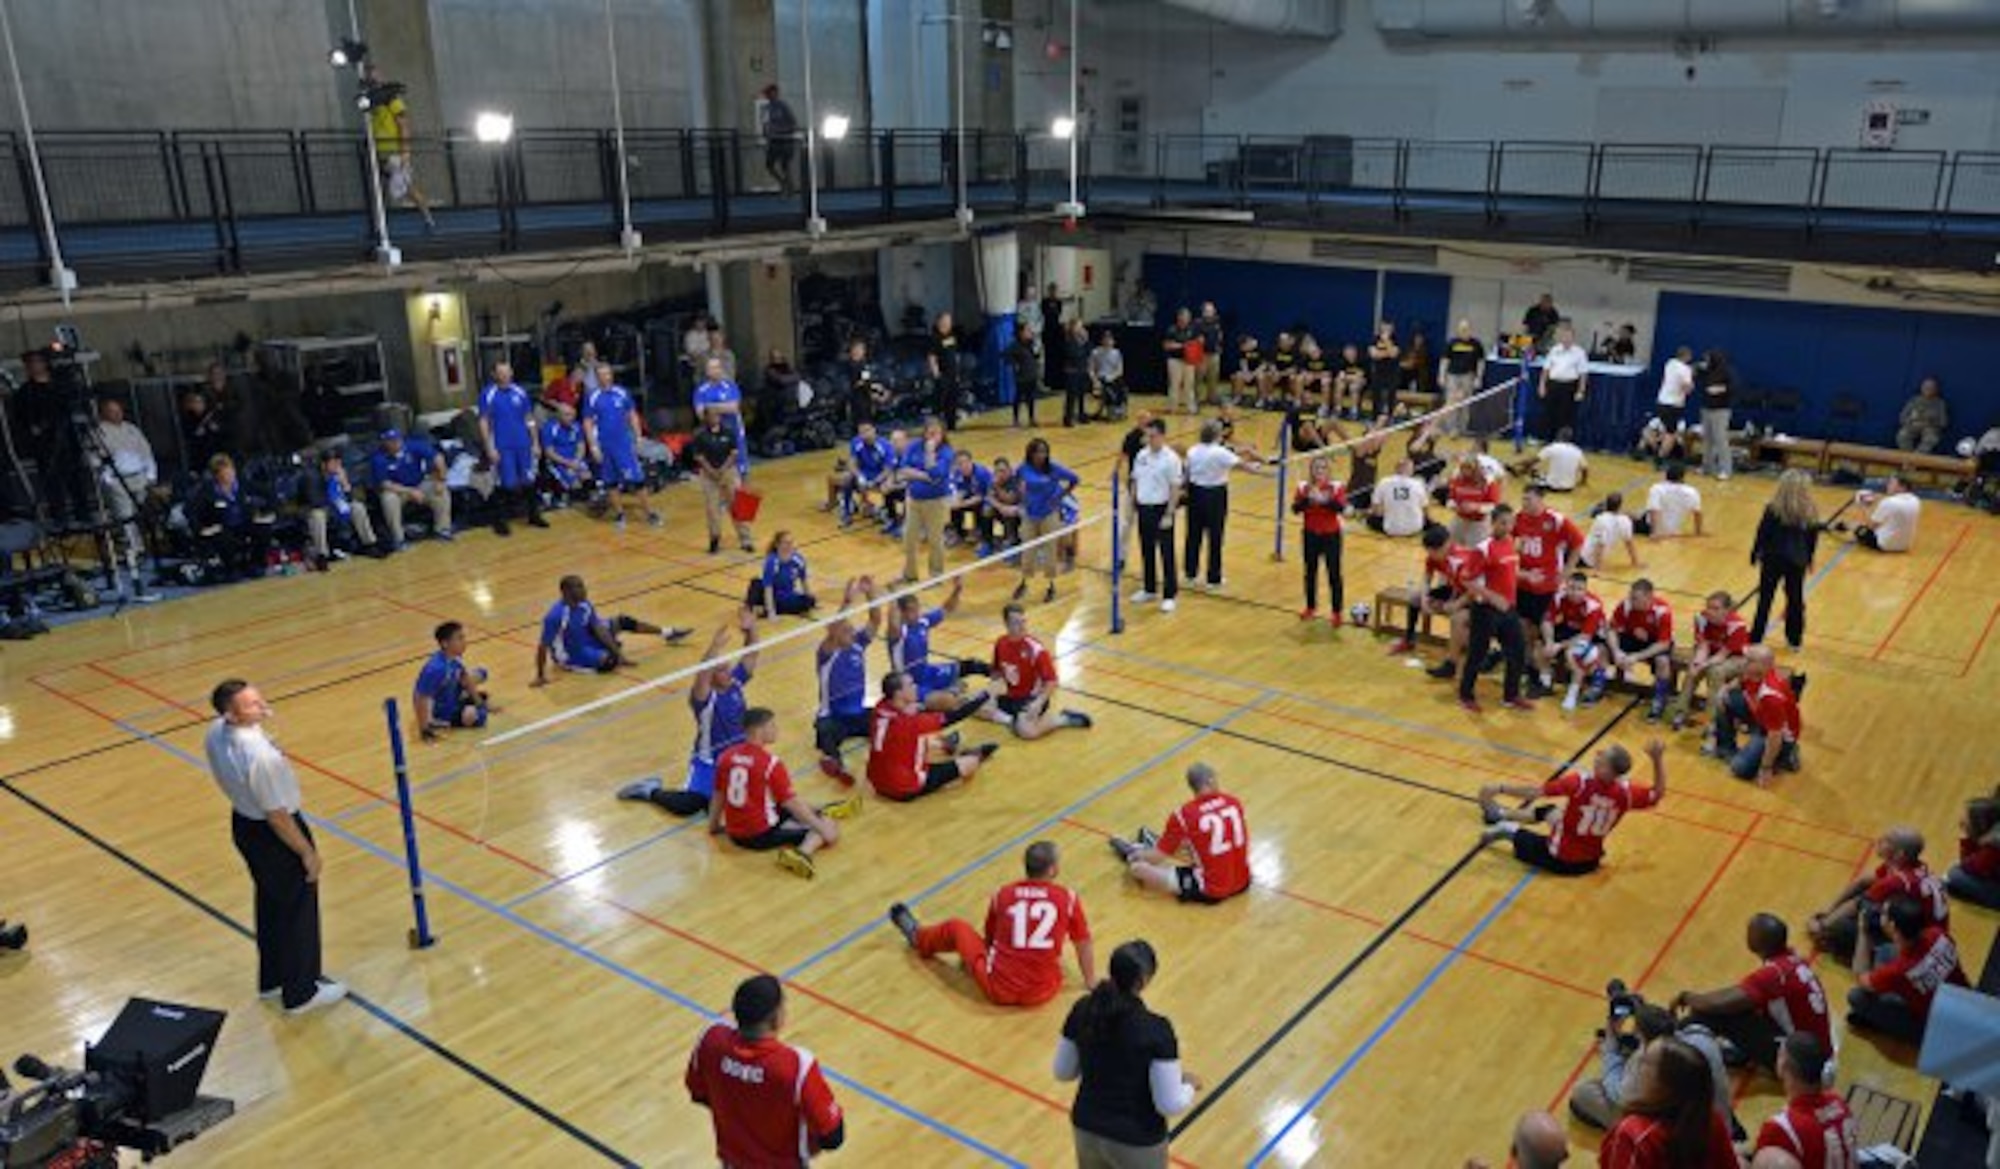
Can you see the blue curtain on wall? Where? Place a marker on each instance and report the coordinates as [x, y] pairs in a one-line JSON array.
[[1826, 351], [1336, 305]]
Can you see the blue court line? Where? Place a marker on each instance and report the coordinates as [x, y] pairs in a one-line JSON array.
[[1010, 845], [1396, 1016], [586, 953], [1839, 555], [621, 854]]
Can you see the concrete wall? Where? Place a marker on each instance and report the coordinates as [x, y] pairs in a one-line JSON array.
[[546, 61]]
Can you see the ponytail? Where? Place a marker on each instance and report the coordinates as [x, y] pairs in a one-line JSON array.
[[1116, 998]]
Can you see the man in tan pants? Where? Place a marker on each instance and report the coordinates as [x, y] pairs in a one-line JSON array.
[[1180, 371], [715, 463], [410, 471], [926, 475]]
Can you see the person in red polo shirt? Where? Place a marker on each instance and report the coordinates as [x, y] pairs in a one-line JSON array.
[[767, 1099], [1448, 568], [1593, 805], [1815, 1130], [1976, 876], [1902, 873], [1493, 616], [1763, 698], [1548, 543], [1642, 632], [1895, 998], [1472, 495], [1017, 961], [1320, 502], [908, 757], [1204, 854], [1781, 997]]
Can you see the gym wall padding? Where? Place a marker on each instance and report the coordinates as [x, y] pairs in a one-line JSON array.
[[1336, 304]]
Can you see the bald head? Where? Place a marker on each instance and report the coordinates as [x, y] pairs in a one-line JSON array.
[[1539, 1142], [1903, 843]]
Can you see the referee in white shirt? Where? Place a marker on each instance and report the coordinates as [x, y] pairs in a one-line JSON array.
[[1565, 379], [1208, 465], [1157, 475], [272, 837]]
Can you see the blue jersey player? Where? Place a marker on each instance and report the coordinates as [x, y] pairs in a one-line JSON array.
[[910, 628], [863, 473], [611, 423], [576, 637], [507, 425], [447, 691], [564, 468], [842, 664], [719, 702]]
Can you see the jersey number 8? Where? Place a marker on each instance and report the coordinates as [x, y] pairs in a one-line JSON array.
[[739, 785]]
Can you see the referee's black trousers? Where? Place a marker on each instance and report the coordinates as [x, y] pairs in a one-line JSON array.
[[288, 954], [1207, 512], [1156, 551], [1487, 624]]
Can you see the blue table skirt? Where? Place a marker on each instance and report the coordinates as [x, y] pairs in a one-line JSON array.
[[1616, 403]]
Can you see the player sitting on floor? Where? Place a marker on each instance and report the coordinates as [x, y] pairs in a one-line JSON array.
[[1017, 962], [910, 650], [1894, 997], [780, 590], [1204, 854], [717, 699], [447, 692], [1642, 633], [1592, 806], [1721, 635], [907, 758], [1902, 873], [576, 638], [760, 811], [1764, 702], [1575, 643], [1026, 673], [842, 666]]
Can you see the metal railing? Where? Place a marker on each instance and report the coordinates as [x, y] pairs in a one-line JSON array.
[[186, 202]]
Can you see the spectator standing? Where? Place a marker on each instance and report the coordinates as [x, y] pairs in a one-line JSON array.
[[1208, 380], [1158, 480], [1676, 383], [1892, 517], [1717, 383], [1027, 368], [1180, 371], [1495, 615], [395, 162], [768, 1101], [1385, 371], [778, 126], [1051, 335], [1126, 1062], [1460, 372], [941, 359], [1043, 483], [714, 452], [1924, 419], [1787, 541], [1541, 319], [410, 471], [1564, 382], [926, 474], [1320, 502]]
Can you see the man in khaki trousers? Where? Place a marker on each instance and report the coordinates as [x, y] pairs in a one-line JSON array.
[[715, 462], [1181, 371]]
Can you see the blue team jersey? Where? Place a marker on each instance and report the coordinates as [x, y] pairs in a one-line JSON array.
[[973, 484], [569, 631], [1042, 491], [913, 648], [511, 413], [938, 468], [871, 459], [408, 466], [843, 678], [442, 680], [562, 438], [718, 719], [611, 408], [784, 579], [337, 500]]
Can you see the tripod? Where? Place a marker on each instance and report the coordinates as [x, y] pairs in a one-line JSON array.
[[110, 532]]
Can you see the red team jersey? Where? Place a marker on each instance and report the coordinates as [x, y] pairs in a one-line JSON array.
[[1789, 994], [1471, 500], [1584, 614], [1501, 568], [1024, 664], [897, 743], [769, 1102], [1650, 625], [1546, 543], [1457, 567], [751, 783], [1731, 635], [1593, 808], [1026, 926], [1640, 1142], [1774, 706], [1214, 829], [1817, 1129], [1919, 885], [1916, 973]]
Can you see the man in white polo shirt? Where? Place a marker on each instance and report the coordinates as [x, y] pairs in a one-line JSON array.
[[1676, 382], [1561, 464], [1671, 504], [273, 840], [1892, 518], [1157, 477], [1565, 380], [1397, 506]]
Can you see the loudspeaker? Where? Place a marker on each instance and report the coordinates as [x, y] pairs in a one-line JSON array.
[[157, 1052]]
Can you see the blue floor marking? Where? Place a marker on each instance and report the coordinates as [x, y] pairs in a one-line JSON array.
[[1839, 555], [1396, 1016]]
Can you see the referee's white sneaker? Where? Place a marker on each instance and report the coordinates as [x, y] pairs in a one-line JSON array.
[[329, 993], [1142, 597], [1167, 606]]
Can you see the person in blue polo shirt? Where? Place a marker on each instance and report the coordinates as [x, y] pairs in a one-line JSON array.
[[611, 423], [410, 471], [1044, 482], [781, 590], [910, 649], [718, 700], [865, 471], [718, 393], [565, 469], [926, 473], [970, 484], [507, 425], [577, 638], [447, 691]]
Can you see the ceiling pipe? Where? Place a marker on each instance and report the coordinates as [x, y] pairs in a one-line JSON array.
[[1557, 20], [1298, 18]]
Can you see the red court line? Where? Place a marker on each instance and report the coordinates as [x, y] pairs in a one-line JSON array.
[[1979, 646], [1911, 607]]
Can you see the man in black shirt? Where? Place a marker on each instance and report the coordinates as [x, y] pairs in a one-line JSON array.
[[1541, 319], [714, 453], [942, 358], [1460, 371], [1053, 355], [1208, 379], [1180, 371], [44, 431]]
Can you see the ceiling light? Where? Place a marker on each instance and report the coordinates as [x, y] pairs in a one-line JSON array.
[[834, 127], [1063, 127]]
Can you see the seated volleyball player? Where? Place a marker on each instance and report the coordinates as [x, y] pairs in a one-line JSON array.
[[1209, 833], [1721, 635], [716, 698], [1025, 671], [576, 638], [1894, 997], [781, 589], [1396, 507], [842, 666], [1445, 564], [760, 811], [1763, 702], [447, 692], [1902, 873], [1575, 642], [1781, 997], [910, 650], [907, 758], [1017, 961], [1592, 806], [1642, 633]]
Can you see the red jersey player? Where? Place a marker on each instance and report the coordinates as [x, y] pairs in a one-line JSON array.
[[1472, 496], [1017, 962], [1025, 673], [1902, 873], [1577, 640], [1720, 637], [1494, 616], [1763, 698], [1816, 1130], [1209, 831], [1454, 567], [1592, 806], [1780, 997], [907, 757], [1548, 543], [1895, 997], [767, 1099], [755, 805], [1642, 632]]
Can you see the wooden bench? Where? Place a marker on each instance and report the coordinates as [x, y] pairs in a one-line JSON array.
[[1398, 599], [1417, 401], [1950, 468], [1640, 681]]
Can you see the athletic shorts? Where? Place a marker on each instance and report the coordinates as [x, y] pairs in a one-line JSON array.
[[701, 776], [936, 777], [932, 677], [590, 659], [444, 717], [1566, 632], [785, 834], [1532, 848], [1440, 594], [621, 467], [516, 466], [1012, 706], [1534, 607], [1190, 887], [1628, 644], [830, 731]]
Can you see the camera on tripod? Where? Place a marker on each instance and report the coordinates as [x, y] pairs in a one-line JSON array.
[[1621, 1003], [140, 1090]]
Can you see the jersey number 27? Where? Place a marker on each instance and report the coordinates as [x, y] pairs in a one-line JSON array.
[[1225, 830]]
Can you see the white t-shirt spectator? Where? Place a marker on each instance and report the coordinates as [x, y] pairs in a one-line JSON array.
[[1208, 464], [1496, 471], [1400, 500], [1607, 531], [1895, 521], [1567, 363], [1155, 474], [1673, 503], [1562, 465], [1676, 383]]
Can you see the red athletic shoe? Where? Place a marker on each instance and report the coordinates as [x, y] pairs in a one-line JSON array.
[[1334, 619], [1308, 614], [1400, 647], [1518, 704], [1471, 706], [832, 769]]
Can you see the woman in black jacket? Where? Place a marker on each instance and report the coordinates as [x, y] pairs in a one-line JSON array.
[[1128, 1060], [1027, 367], [1787, 539]]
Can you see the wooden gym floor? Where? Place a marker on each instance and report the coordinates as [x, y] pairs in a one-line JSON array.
[[1384, 996]]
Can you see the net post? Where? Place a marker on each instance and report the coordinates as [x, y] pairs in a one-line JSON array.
[[1117, 556], [1284, 473], [1521, 403], [420, 935]]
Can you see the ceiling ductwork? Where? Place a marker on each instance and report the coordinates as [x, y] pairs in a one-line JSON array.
[[1547, 20], [1296, 18]]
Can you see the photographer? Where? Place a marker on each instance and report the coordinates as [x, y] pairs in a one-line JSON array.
[[44, 427], [1780, 998], [126, 470], [1669, 1122], [1633, 1026]]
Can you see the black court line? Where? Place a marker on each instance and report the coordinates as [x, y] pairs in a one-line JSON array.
[[513, 1095]]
